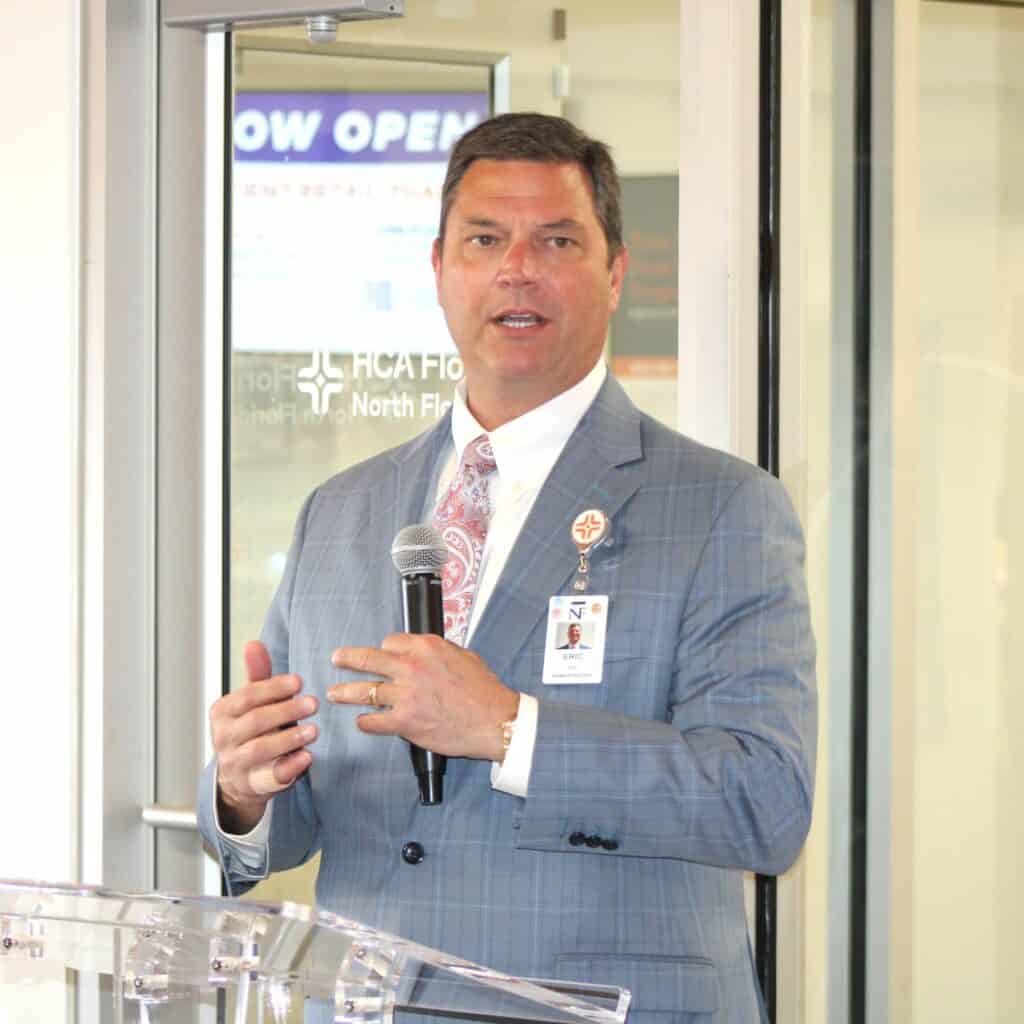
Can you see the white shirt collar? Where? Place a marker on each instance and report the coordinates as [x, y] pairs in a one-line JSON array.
[[527, 447]]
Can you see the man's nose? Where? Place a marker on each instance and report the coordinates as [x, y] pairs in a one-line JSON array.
[[518, 266]]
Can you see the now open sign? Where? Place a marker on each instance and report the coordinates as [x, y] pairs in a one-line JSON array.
[[349, 127]]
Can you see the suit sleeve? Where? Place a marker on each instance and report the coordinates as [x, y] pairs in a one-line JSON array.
[[294, 828], [727, 779]]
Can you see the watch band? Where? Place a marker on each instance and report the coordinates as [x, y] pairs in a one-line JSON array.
[[507, 732]]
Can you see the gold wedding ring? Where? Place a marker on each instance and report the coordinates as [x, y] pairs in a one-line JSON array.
[[372, 696]]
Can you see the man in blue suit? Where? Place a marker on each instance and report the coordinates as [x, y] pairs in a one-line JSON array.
[[594, 832]]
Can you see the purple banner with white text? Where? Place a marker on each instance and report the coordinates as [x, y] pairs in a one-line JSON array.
[[353, 127]]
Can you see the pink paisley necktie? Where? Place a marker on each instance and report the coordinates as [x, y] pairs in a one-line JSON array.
[[462, 516]]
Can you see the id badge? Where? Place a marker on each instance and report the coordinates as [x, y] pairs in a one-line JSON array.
[[574, 647]]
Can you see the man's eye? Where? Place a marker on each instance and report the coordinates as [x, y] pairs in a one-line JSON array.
[[560, 241], [483, 241]]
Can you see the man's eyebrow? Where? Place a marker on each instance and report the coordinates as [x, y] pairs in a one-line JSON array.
[[566, 223], [561, 225]]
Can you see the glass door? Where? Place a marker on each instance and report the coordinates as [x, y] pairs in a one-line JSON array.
[[338, 349]]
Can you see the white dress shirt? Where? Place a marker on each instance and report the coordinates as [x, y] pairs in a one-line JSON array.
[[525, 450]]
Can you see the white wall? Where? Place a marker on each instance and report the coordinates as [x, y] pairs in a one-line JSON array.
[[39, 297]]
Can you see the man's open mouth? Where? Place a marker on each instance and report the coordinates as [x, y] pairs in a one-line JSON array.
[[520, 320]]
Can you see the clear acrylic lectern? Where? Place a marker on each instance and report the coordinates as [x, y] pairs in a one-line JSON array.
[[162, 958]]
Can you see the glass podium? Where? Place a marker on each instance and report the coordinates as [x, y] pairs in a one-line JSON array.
[[164, 958]]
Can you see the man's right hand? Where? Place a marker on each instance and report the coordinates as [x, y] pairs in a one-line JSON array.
[[260, 741]]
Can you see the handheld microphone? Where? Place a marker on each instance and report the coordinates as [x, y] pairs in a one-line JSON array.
[[418, 552]]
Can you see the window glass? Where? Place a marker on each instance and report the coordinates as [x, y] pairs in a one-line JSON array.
[[948, 942], [339, 349], [966, 914]]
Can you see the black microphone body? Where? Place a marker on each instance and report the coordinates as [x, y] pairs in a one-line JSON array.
[[423, 602], [424, 613], [419, 552]]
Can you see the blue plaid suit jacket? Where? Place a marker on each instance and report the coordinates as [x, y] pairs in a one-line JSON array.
[[695, 755]]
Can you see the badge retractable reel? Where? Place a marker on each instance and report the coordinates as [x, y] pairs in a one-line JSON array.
[[590, 530]]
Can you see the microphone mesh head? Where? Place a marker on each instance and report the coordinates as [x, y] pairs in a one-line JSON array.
[[418, 549]]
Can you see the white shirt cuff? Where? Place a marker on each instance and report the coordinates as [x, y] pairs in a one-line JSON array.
[[251, 848], [513, 774]]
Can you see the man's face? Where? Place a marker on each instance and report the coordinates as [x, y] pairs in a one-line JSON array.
[[525, 284], [575, 632]]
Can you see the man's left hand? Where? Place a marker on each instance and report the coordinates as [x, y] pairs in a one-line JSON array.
[[431, 692]]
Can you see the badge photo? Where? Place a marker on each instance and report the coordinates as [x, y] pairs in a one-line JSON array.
[[574, 644]]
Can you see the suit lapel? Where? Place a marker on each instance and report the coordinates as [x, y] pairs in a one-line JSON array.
[[600, 467]]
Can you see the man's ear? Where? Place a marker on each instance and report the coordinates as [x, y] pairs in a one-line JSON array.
[[617, 272], [435, 256]]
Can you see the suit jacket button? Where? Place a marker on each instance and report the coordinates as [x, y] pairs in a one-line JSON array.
[[412, 853], [593, 842], [577, 839], [609, 844]]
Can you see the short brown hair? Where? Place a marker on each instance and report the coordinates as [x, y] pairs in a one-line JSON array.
[[544, 139]]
